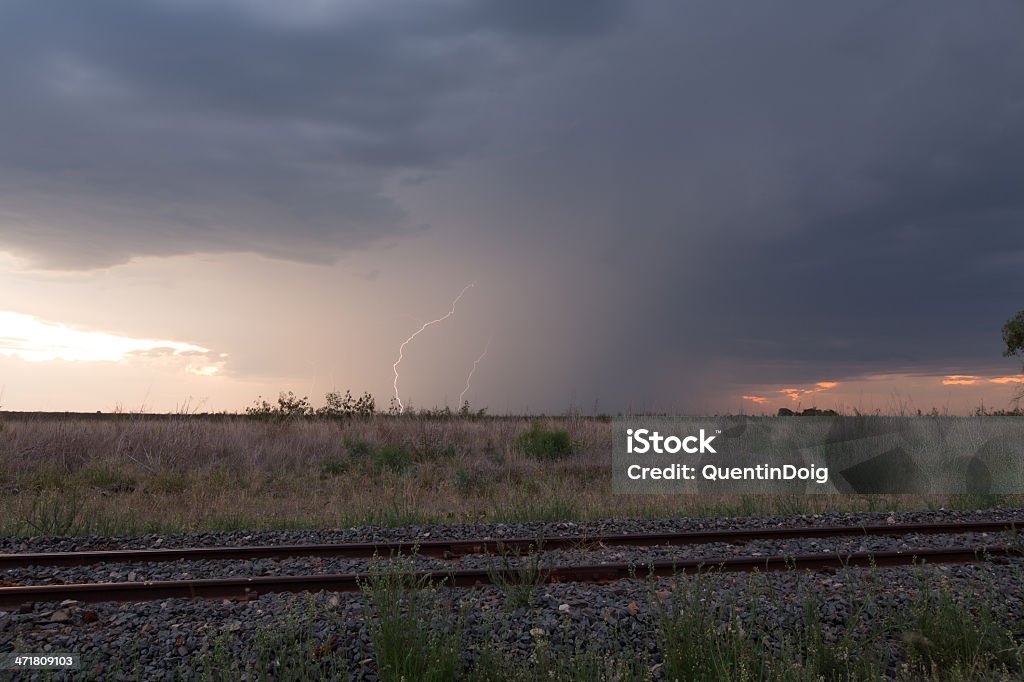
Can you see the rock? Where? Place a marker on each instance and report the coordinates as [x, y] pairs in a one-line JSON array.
[[60, 616], [89, 617], [564, 608]]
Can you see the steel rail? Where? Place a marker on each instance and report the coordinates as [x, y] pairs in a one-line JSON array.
[[448, 549], [249, 588]]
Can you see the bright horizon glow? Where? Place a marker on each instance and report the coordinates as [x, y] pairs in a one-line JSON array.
[[961, 380], [796, 394], [892, 393], [34, 340]]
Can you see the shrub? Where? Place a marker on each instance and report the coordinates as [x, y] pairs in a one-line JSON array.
[[394, 457], [346, 406], [545, 444], [291, 405], [288, 405], [466, 412]]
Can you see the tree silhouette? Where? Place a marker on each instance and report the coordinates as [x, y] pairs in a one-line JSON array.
[[1013, 335]]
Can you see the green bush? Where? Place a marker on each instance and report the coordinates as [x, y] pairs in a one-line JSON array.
[[394, 457], [541, 443]]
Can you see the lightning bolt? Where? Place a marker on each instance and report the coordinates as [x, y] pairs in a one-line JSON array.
[[401, 349], [470, 377]]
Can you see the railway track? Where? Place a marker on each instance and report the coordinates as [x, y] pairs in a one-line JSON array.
[[451, 549], [251, 587]]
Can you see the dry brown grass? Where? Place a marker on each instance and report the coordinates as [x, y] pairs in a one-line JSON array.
[[134, 473]]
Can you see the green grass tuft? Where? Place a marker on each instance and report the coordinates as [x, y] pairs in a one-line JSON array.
[[545, 444]]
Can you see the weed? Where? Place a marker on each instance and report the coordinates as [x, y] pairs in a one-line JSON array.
[[821, 658], [56, 513], [290, 651], [944, 637], [412, 638], [519, 579], [109, 478], [529, 508], [586, 663], [395, 513]]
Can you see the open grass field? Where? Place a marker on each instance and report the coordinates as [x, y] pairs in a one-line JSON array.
[[134, 474]]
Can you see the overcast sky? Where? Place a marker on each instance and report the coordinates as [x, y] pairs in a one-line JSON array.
[[663, 205]]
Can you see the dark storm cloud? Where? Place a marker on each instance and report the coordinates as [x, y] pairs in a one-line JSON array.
[[154, 128], [797, 191], [894, 256], [800, 192]]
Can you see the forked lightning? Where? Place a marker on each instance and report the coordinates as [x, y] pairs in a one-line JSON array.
[[471, 371], [401, 349]]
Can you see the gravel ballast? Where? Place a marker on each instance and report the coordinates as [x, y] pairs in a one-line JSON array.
[[179, 638], [490, 531]]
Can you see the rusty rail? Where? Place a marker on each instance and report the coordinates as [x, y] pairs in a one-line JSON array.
[[448, 549], [248, 588]]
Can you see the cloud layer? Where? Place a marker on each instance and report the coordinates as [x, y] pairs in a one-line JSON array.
[[157, 128], [665, 198]]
